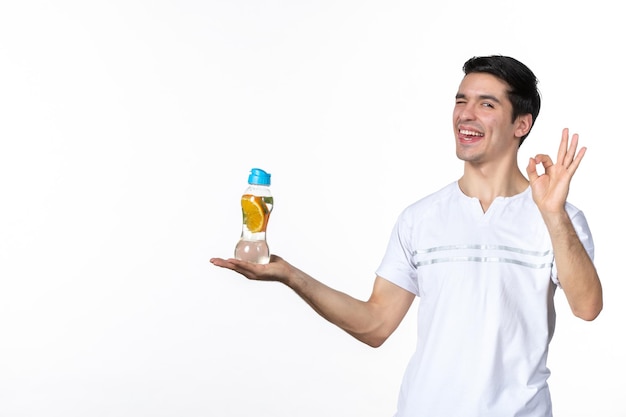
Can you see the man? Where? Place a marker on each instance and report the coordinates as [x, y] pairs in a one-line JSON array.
[[485, 255]]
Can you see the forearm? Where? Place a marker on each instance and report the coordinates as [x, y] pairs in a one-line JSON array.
[[576, 272], [356, 317]]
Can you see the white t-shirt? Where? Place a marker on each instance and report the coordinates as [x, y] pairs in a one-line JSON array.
[[486, 282]]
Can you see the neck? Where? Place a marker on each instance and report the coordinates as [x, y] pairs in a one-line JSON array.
[[486, 184]]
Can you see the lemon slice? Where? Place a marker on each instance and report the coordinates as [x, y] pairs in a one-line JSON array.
[[253, 213]]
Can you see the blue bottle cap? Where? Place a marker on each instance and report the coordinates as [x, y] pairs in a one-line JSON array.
[[259, 177]]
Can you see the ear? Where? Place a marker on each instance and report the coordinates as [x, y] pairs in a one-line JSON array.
[[523, 124]]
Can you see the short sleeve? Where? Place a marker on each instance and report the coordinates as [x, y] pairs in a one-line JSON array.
[[396, 265]]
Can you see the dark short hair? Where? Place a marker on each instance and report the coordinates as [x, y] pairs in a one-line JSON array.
[[523, 92]]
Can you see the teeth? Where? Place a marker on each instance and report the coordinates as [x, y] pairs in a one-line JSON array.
[[469, 133]]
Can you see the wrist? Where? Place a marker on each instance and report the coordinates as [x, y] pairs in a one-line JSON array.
[[556, 220]]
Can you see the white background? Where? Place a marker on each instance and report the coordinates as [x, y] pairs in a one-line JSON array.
[[127, 132]]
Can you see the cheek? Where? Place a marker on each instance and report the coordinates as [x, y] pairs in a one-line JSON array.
[[491, 121], [455, 115]]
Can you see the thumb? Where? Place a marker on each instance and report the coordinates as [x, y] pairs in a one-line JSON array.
[[531, 169]]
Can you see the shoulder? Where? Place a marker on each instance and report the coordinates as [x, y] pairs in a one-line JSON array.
[[432, 204], [442, 196]]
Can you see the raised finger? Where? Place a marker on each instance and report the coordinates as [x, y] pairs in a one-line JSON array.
[[560, 158], [576, 162], [571, 150]]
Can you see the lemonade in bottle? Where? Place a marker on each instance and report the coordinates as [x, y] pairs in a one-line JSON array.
[[256, 205]]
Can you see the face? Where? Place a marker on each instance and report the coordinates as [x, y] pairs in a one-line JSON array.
[[482, 120]]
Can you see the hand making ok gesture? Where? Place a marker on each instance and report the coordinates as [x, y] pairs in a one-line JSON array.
[[551, 188]]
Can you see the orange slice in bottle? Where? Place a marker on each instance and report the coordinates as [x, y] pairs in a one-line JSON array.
[[253, 213]]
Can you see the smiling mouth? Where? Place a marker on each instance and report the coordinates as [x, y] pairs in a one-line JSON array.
[[470, 136], [472, 133]]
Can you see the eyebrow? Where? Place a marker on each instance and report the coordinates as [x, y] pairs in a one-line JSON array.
[[480, 97]]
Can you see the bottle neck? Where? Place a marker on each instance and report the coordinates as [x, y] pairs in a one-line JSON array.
[[248, 235], [260, 190]]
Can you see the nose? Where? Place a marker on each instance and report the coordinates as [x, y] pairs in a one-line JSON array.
[[466, 112]]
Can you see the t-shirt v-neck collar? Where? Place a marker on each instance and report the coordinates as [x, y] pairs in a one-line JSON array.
[[496, 204]]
